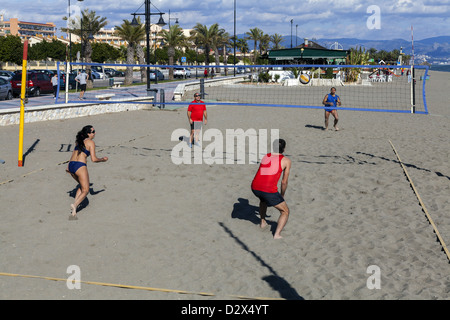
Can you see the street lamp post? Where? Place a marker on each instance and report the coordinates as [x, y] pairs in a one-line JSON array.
[[147, 31], [176, 19], [234, 40], [296, 37], [156, 61], [292, 21]]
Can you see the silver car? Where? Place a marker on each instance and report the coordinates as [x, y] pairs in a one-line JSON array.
[[5, 89], [6, 74]]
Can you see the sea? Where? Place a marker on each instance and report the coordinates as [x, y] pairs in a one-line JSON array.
[[440, 67]]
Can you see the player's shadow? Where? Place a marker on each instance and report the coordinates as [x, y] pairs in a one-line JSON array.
[[85, 202], [277, 282], [184, 138], [314, 127], [30, 150], [286, 291], [409, 165], [245, 211]]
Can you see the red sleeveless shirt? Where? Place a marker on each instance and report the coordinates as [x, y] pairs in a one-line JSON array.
[[269, 172]]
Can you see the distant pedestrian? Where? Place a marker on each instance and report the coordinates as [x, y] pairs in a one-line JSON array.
[[82, 78], [206, 73], [55, 84], [212, 73]]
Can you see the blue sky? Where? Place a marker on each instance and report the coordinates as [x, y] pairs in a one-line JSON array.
[[378, 20]]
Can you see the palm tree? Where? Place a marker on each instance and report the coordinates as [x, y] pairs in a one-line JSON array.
[[264, 42], [255, 35], [173, 38], [132, 35], [276, 39], [218, 41], [242, 45], [357, 56], [205, 37], [226, 41], [90, 24]]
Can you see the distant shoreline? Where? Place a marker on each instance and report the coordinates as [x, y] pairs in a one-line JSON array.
[[440, 67]]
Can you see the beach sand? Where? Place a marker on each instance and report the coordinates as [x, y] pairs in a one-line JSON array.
[[194, 227]]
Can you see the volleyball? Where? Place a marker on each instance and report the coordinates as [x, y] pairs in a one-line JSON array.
[[304, 78]]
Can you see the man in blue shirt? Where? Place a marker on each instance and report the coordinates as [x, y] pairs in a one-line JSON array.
[[331, 101]]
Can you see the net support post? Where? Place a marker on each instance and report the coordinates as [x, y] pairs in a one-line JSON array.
[[413, 90], [66, 95]]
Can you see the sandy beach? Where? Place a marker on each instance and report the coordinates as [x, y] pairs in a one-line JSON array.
[[189, 229]]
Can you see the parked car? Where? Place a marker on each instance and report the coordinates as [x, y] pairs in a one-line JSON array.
[[36, 83], [153, 74], [51, 73], [72, 82], [181, 72], [110, 72], [241, 70], [5, 89], [98, 73], [120, 73], [6, 74]]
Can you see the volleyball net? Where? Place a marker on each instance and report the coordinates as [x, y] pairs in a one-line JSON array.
[[382, 88]]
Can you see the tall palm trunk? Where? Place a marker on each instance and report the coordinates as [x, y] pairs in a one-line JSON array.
[[88, 59], [129, 70], [207, 50], [140, 55], [171, 54], [225, 59], [217, 58]]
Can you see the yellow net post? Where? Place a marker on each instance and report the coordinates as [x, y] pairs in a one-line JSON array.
[[22, 101]]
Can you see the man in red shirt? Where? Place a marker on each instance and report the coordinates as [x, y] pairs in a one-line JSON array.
[[264, 185], [196, 112]]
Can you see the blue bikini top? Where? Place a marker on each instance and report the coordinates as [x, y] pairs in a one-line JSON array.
[[84, 150]]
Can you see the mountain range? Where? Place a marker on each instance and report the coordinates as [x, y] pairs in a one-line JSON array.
[[435, 48]]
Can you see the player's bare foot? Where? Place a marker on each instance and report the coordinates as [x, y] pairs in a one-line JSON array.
[[74, 210], [277, 237], [336, 128], [263, 224]]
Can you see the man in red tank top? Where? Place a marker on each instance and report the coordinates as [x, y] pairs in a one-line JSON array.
[[196, 112], [264, 185]]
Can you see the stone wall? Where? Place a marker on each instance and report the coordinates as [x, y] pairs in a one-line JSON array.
[[66, 111]]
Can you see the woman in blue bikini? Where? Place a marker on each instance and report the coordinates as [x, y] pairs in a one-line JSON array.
[[77, 167]]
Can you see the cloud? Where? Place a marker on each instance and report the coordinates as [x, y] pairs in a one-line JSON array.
[[319, 18]]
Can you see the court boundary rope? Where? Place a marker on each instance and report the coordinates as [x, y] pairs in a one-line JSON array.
[[428, 216], [123, 286]]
